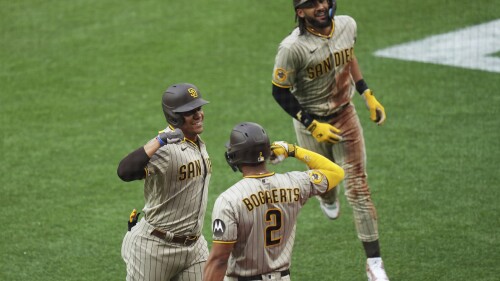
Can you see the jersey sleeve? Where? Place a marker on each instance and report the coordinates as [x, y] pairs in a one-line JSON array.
[[224, 221], [158, 162], [284, 67], [311, 182], [319, 182], [351, 27]]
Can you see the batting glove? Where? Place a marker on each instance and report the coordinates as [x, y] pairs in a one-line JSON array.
[[132, 221], [166, 137], [324, 132], [377, 111], [280, 150]]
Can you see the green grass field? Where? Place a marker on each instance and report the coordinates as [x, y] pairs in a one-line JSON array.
[[81, 83]]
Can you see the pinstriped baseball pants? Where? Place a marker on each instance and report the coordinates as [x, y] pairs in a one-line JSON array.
[[350, 154], [148, 257]]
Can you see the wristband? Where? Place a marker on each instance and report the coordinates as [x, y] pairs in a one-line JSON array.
[[305, 118], [160, 141], [361, 86], [291, 150]]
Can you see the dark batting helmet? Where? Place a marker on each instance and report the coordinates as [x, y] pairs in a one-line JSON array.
[[180, 98], [297, 3], [248, 144]]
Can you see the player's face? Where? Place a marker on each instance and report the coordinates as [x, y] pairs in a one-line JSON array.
[[315, 13], [193, 123]]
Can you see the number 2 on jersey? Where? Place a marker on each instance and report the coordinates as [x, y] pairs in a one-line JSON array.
[[273, 220]]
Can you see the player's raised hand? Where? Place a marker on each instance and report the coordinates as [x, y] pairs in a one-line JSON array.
[[324, 132], [280, 150], [166, 137], [377, 111]]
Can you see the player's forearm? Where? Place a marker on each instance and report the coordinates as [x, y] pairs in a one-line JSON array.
[[361, 85], [333, 172], [132, 166], [151, 147], [215, 270], [291, 105], [355, 70]]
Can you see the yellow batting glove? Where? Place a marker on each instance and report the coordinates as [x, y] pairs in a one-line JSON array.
[[132, 221], [280, 150], [133, 215], [377, 111], [324, 132]]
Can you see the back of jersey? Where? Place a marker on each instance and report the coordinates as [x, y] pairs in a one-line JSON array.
[[260, 214]]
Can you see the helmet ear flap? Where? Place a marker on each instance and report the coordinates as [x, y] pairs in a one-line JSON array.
[[174, 119], [230, 162]]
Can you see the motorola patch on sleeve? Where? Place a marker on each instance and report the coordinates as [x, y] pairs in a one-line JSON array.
[[218, 227]]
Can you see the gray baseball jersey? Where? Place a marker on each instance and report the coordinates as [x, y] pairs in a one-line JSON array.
[[175, 194], [316, 69], [314, 63], [175, 188], [259, 214]]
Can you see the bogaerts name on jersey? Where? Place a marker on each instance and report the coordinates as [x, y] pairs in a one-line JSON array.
[[280, 195]]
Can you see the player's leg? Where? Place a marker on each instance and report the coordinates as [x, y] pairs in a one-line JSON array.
[[133, 252], [351, 155], [196, 259], [152, 258], [329, 201]]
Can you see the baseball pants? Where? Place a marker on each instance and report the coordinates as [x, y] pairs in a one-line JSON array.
[[148, 257], [350, 154]]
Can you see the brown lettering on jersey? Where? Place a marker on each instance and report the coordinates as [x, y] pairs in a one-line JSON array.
[[209, 165], [296, 193], [283, 195], [191, 170], [320, 69], [343, 56], [262, 197], [279, 195], [247, 203], [182, 172], [274, 192], [268, 197], [255, 200], [198, 167]]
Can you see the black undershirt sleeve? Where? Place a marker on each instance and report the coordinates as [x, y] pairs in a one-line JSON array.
[[291, 105], [132, 166]]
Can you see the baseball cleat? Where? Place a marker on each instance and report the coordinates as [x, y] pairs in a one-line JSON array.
[[332, 211], [375, 270]]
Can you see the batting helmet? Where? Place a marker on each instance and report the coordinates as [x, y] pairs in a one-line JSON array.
[[180, 98], [248, 144], [297, 3]]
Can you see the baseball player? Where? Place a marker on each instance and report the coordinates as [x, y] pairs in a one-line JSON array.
[[254, 220], [314, 79], [167, 243]]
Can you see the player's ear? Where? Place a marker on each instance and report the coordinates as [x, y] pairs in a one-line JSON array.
[[300, 13]]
